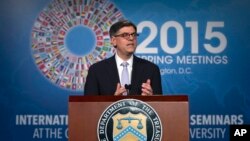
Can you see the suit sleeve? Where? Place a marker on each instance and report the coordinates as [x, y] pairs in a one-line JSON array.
[[156, 81], [91, 84]]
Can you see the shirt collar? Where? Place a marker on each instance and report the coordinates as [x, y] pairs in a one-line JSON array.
[[119, 60]]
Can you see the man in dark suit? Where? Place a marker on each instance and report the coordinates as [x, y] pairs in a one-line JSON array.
[[112, 77]]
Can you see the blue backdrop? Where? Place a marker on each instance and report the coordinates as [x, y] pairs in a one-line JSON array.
[[47, 46]]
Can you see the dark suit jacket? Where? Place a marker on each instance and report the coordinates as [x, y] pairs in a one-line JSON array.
[[103, 77]]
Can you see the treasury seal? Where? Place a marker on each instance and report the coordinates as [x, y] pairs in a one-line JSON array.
[[129, 120]]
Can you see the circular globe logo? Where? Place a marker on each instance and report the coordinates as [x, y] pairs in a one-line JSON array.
[[70, 35]]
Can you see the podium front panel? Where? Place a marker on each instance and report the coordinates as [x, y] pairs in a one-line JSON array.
[[85, 112]]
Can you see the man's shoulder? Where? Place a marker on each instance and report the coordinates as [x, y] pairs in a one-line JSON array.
[[102, 63]]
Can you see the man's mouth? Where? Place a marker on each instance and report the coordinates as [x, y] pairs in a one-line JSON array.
[[130, 44]]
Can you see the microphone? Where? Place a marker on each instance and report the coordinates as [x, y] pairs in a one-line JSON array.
[[128, 88]]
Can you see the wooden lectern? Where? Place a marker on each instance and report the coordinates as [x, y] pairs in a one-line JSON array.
[[85, 112]]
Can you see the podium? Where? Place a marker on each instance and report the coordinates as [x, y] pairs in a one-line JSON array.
[[85, 113]]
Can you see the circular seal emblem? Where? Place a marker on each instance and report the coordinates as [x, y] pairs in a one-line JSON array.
[[129, 120]]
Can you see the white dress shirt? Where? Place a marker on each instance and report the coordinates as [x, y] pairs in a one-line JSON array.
[[119, 61]]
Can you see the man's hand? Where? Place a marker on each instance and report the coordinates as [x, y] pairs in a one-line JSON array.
[[119, 90], [146, 88]]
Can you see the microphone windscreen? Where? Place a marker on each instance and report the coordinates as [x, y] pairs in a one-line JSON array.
[[127, 86]]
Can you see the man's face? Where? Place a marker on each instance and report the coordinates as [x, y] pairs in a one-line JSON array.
[[125, 41]]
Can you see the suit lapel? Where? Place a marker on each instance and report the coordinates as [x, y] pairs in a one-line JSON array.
[[112, 71], [135, 82]]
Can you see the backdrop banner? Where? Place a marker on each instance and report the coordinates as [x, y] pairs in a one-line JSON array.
[[47, 46]]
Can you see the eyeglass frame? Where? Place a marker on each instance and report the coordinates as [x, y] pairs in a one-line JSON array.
[[127, 35]]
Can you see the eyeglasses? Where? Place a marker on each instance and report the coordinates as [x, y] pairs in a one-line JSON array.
[[127, 35]]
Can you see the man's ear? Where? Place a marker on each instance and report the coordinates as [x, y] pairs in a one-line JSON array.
[[113, 41]]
